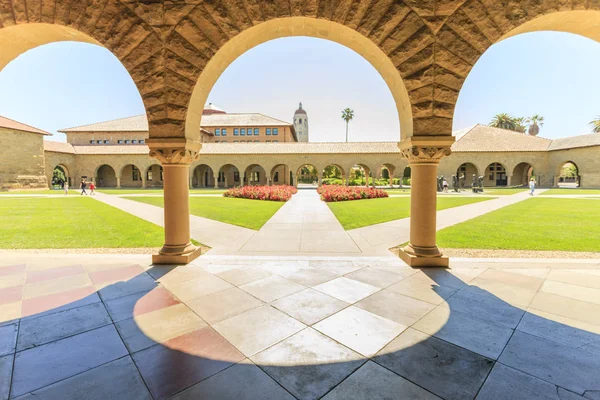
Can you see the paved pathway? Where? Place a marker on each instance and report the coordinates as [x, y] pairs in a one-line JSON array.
[[304, 225], [220, 236], [377, 239], [225, 327]]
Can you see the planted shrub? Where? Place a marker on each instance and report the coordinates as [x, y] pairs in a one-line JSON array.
[[346, 193], [270, 193]]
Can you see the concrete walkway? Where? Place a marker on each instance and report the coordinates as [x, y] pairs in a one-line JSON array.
[[220, 236], [304, 225], [377, 239]]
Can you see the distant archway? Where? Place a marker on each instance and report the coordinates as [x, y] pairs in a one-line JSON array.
[[333, 174], [255, 175], [495, 175], [307, 175], [467, 173], [229, 176], [60, 176], [568, 175], [106, 177], [131, 177], [154, 176], [522, 173], [203, 176], [281, 175]]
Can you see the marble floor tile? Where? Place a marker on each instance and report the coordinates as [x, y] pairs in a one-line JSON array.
[[346, 289], [309, 306]]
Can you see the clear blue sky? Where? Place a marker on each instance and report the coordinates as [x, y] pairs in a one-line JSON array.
[[553, 74]]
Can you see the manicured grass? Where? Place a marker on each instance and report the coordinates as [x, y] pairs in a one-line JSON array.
[[534, 224], [571, 191], [241, 212], [502, 191], [74, 222], [156, 191], [43, 191], [359, 213]]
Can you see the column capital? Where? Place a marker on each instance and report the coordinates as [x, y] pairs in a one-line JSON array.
[[171, 151], [426, 149]]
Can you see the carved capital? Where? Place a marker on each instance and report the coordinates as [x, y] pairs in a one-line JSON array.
[[425, 155], [174, 151], [426, 149], [174, 156]]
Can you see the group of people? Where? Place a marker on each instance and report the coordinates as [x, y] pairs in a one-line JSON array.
[[83, 186]]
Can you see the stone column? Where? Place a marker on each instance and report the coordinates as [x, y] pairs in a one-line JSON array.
[[346, 180], [319, 181], [143, 180], [508, 180], [118, 182], [216, 179], [191, 181], [175, 155], [424, 154]]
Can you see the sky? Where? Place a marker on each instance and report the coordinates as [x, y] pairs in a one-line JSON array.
[[67, 84]]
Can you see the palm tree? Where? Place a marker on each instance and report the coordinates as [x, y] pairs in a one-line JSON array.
[[504, 121], [521, 124], [596, 125], [535, 123], [347, 115]]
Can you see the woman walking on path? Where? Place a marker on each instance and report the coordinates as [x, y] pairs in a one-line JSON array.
[[92, 188], [445, 185], [83, 186], [66, 188], [531, 186]]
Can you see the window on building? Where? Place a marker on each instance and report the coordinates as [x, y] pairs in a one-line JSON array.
[[135, 173], [106, 142], [142, 141], [98, 141], [91, 142], [256, 176], [236, 176], [221, 177], [134, 141], [300, 120], [276, 176], [119, 141], [268, 141], [275, 141], [217, 132], [223, 132], [256, 131], [256, 141], [127, 141], [243, 132], [236, 131], [275, 131], [149, 175], [268, 131]]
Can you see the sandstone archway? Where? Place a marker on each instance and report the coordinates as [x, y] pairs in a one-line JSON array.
[[154, 176], [203, 176], [105, 176], [521, 174], [281, 175], [467, 173], [131, 177]]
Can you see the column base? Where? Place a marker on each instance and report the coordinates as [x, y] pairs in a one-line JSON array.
[[176, 254], [423, 257]]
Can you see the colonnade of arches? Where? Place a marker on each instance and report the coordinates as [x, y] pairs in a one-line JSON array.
[[128, 176]]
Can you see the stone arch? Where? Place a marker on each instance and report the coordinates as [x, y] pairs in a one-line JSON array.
[[229, 175], [386, 171], [131, 176], [32, 23], [340, 169], [203, 176], [153, 176], [476, 26], [65, 170], [465, 172], [280, 174], [304, 176], [522, 173], [249, 37], [567, 180], [255, 175], [366, 170], [495, 174], [105, 176]]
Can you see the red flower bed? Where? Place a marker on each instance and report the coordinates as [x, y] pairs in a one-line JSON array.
[[271, 193], [345, 193]]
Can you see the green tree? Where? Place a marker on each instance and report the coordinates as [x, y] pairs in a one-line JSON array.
[[504, 121], [347, 115], [331, 171], [596, 125], [58, 175], [535, 123]]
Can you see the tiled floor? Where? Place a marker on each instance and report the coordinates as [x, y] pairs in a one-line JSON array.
[[114, 327]]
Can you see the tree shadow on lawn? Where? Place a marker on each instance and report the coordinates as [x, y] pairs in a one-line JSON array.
[[543, 359]]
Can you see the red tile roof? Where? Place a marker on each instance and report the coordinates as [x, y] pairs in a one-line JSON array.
[[18, 126]]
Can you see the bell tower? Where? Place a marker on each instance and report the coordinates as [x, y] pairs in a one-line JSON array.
[[301, 124]]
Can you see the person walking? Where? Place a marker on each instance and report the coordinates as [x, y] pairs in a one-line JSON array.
[[83, 186], [92, 188], [66, 187], [445, 185], [531, 186]]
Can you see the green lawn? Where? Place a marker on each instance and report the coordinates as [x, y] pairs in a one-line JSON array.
[[43, 191], [571, 191], [534, 224], [359, 213], [241, 212], [74, 222], [156, 191]]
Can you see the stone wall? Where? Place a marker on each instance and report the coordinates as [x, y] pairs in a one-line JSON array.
[[22, 160]]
